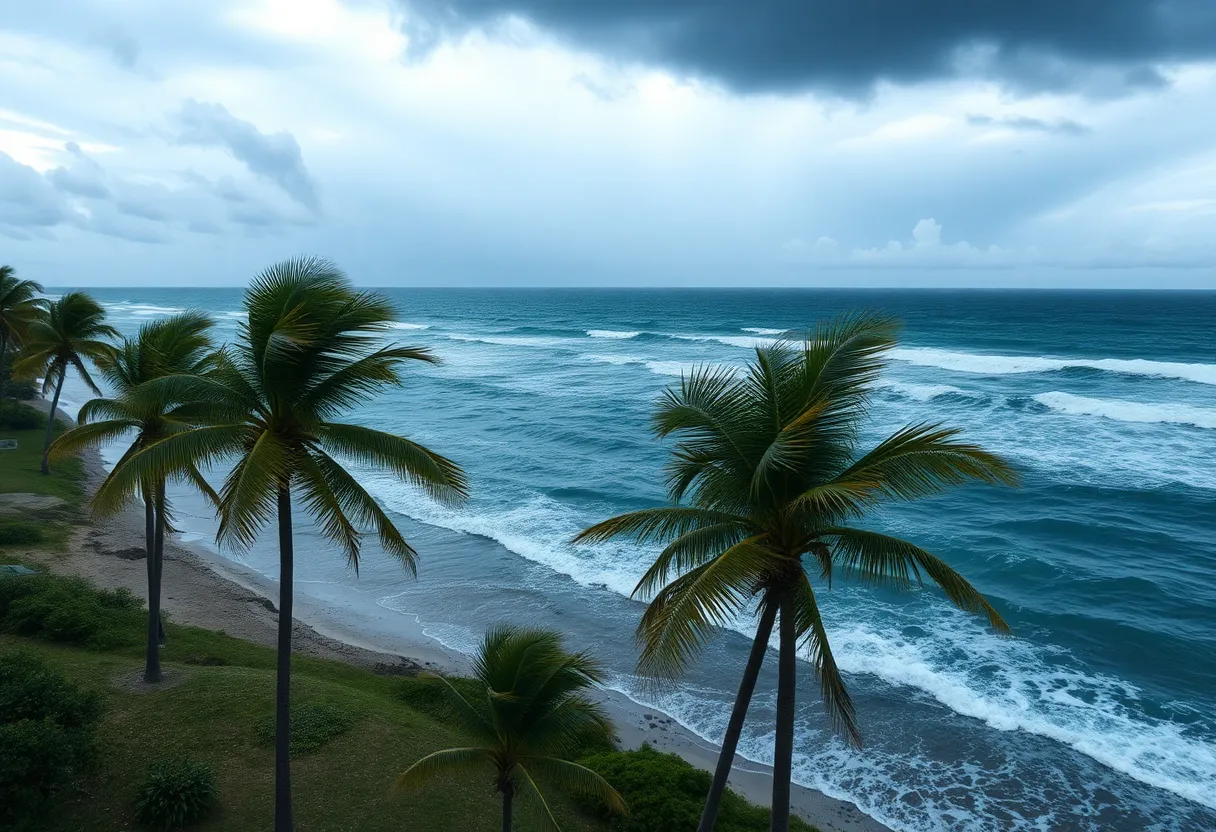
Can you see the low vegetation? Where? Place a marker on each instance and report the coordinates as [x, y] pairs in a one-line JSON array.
[[665, 793], [47, 737], [176, 793]]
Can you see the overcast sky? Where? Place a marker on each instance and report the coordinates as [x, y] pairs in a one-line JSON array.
[[611, 142]]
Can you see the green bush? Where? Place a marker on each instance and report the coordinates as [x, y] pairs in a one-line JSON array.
[[19, 533], [176, 794], [47, 728], [19, 389], [16, 416], [312, 725], [69, 610], [665, 793]]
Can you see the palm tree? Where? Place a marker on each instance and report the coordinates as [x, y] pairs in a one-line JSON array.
[[768, 462], [176, 345], [63, 335], [532, 718], [18, 306], [304, 355]]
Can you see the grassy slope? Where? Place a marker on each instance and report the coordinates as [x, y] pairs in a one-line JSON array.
[[20, 469], [213, 715]]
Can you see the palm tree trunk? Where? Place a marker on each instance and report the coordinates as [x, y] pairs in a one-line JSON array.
[[734, 728], [783, 750], [282, 734], [3, 367], [50, 422], [158, 552], [508, 796], [151, 652]]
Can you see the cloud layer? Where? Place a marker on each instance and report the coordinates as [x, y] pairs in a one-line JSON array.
[[846, 46]]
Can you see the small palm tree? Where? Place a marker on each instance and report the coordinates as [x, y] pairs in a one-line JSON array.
[[64, 334], [18, 306], [302, 357], [768, 462], [176, 345], [532, 717]]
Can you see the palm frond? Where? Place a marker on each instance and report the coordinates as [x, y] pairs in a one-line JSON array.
[[438, 476], [573, 777], [924, 459], [439, 763], [89, 436], [684, 615], [880, 558], [809, 625]]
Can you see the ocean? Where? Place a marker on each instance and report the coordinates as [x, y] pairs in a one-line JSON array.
[[1099, 713]]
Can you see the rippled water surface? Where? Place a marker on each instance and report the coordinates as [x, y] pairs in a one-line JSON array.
[[1099, 714]]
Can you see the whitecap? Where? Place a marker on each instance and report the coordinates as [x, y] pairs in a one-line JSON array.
[[927, 392], [404, 325], [1124, 411], [759, 330], [612, 333], [510, 340], [985, 364]]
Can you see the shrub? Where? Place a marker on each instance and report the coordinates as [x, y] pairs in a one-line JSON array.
[[16, 416], [47, 728], [312, 725], [69, 610], [18, 533], [175, 794], [665, 793]]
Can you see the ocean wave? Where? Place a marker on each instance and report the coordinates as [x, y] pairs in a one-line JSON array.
[[404, 325], [145, 308], [759, 330], [612, 333], [660, 368], [746, 342], [928, 392], [983, 364], [536, 341], [1124, 411]]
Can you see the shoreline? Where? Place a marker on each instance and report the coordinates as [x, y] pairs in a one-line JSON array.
[[202, 588]]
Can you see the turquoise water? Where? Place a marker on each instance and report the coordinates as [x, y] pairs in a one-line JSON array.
[[1100, 713]]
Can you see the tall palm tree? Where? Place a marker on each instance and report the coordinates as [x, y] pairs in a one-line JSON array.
[[768, 462], [19, 305], [66, 333], [180, 344], [532, 718], [305, 354]]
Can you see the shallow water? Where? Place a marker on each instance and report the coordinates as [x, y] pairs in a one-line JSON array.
[[1099, 714]]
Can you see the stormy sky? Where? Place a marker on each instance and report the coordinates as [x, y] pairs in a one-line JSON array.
[[612, 142]]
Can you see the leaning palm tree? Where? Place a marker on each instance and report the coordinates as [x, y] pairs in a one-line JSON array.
[[532, 717], [63, 335], [768, 463], [180, 344], [19, 305], [306, 353]]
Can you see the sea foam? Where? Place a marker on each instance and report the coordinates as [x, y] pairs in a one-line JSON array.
[[612, 333], [1124, 411], [982, 364]]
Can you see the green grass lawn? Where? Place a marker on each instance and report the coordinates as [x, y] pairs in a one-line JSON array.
[[214, 715], [20, 469]]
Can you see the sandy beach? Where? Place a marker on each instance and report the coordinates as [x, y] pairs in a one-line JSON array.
[[204, 589]]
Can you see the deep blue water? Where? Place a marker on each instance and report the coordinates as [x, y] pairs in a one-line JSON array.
[[1100, 713]]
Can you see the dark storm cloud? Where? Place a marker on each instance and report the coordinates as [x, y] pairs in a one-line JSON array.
[[276, 158], [1103, 47]]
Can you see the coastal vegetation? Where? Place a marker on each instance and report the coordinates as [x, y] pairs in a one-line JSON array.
[[304, 355], [62, 335], [176, 345], [765, 483], [532, 717], [769, 496]]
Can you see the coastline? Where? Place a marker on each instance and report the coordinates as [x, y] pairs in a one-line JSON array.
[[204, 589]]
